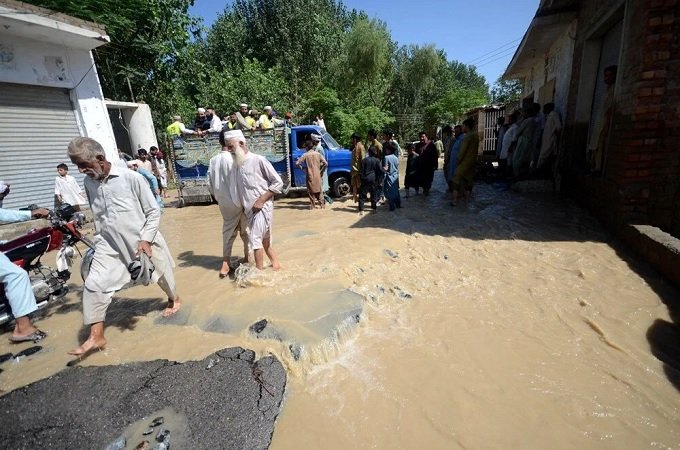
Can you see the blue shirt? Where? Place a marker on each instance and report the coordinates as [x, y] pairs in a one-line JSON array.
[[14, 215]]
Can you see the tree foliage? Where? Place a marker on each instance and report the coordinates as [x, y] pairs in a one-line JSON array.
[[304, 56], [506, 91]]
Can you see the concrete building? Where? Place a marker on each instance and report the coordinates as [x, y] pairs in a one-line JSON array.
[[132, 126], [50, 93], [562, 58]]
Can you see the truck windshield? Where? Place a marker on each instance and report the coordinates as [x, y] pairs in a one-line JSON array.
[[330, 142]]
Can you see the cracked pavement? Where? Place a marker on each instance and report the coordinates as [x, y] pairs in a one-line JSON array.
[[232, 405]]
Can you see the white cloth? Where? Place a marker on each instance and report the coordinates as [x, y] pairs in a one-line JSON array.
[[67, 187], [508, 138], [125, 212], [221, 179], [146, 165], [320, 123], [553, 125], [222, 186], [162, 172], [215, 124], [255, 177]]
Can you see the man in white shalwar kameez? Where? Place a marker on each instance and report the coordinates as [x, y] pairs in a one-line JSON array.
[[257, 182], [126, 219], [551, 130], [222, 186]]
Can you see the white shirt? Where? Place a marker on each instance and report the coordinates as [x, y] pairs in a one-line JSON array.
[[255, 177], [508, 138], [221, 179], [67, 187], [215, 124], [124, 212]]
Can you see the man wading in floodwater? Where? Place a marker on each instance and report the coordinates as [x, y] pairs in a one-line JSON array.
[[222, 186], [257, 182], [126, 219]]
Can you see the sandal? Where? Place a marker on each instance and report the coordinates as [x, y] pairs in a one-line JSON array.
[[36, 336]]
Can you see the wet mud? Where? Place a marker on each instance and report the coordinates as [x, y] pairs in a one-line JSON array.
[[516, 321]]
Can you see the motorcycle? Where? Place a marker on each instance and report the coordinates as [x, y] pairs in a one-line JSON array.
[[62, 234]]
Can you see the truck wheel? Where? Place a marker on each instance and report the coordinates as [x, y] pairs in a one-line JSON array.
[[341, 186], [180, 203]]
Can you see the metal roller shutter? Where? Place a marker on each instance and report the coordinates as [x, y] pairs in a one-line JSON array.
[[36, 125]]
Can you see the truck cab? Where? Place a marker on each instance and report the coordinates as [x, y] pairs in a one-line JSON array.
[[339, 159]]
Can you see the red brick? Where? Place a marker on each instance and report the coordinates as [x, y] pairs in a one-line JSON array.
[[668, 19], [645, 92], [655, 21]]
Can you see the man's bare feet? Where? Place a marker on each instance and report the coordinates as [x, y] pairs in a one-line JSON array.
[[276, 266], [173, 307], [89, 346]]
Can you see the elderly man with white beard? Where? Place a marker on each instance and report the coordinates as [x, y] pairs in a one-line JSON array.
[[222, 186], [126, 220], [257, 182]]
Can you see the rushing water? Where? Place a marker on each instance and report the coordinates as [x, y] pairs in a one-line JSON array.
[[514, 323]]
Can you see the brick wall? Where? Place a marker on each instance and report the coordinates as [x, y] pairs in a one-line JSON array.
[[641, 180]]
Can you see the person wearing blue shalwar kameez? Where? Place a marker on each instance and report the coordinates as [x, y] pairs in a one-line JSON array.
[[391, 167]]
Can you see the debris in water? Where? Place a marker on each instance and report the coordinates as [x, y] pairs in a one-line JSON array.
[[583, 302], [596, 328], [243, 273], [390, 253], [147, 432], [210, 365], [157, 421], [446, 256], [296, 351], [163, 437], [396, 290], [258, 326], [144, 445], [118, 444], [29, 351]]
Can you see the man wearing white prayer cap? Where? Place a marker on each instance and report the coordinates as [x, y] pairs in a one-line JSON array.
[[256, 182], [241, 122], [222, 186], [266, 121]]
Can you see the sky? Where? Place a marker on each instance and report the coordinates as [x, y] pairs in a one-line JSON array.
[[483, 32]]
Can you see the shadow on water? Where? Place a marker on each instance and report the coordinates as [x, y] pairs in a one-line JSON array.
[[296, 204], [124, 313], [494, 213], [189, 258], [497, 213]]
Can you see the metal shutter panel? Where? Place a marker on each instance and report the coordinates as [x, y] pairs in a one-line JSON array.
[[36, 125]]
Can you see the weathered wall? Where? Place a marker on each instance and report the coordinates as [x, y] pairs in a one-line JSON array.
[[555, 64], [641, 176], [41, 63]]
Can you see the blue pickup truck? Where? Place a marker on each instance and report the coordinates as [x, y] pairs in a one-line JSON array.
[[281, 146]]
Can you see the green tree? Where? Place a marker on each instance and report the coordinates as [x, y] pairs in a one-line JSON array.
[[306, 35], [506, 91]]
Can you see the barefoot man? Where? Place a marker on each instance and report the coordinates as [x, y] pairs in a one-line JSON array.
[[222, 186], [257, 182], [126, 220]]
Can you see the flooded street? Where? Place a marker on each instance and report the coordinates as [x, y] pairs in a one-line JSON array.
[[516, 322]]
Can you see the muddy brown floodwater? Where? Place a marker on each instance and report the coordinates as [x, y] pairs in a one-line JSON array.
[[514, 323]]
